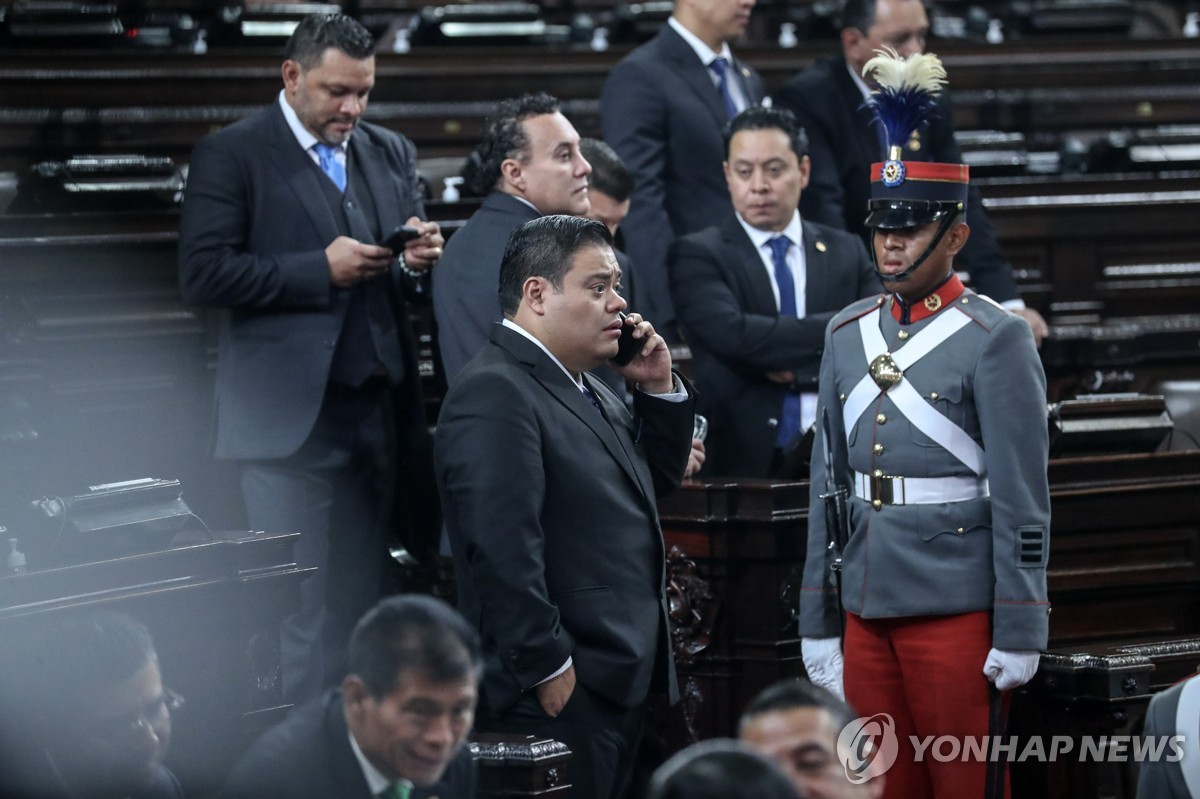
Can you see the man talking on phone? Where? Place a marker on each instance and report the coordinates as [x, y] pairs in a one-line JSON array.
[[549, 486], [284, 222]]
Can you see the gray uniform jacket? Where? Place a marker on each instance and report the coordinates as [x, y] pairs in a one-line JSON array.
[[987, 553]]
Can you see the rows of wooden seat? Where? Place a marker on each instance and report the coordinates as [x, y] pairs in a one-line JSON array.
[[162, 102]]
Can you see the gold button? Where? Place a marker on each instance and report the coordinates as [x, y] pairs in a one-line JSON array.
[[877, 473], [877, 504], [881, 419], [879, 449], [842, 397], [902, 335], [933, 395], [960, 531]]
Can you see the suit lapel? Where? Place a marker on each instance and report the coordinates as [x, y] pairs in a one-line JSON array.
[[300, 174], [690, 69], [744, 258], [817, 269], [381, 188], [615, 413], [556, 383]]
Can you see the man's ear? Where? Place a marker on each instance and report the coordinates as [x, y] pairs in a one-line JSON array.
[[533, 293], [851, 39], [805, 172], [957, 237], [354, 693], [291, 74], [512, 175]]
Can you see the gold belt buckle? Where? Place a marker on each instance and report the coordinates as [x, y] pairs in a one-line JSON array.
[[882, 488]]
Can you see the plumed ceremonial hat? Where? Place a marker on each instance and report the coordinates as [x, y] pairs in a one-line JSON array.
[[906, 194]]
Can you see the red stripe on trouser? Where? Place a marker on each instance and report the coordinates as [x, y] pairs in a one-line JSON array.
[[927, 674]]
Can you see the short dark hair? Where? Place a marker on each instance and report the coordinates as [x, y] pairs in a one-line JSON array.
[[857, 14], [609, 174], [413, 632], [757, 117], [316, 33], [544, 247], [720, 768], [797, 693], [504, 137], [81, 655]]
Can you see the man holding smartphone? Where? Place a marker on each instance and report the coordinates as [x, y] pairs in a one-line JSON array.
[[549, 484], [317, 379]]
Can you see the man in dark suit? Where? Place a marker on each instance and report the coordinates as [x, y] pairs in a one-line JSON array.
[[317, 379], [397, 726], [549, 485], [756, 334], [827, 98], [1175, 772], [663, 109], [529, 164], [84, 713]]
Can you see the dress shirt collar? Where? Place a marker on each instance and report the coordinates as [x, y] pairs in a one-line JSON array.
[[793, 231], [521, 199], [511, 325], [859, 82], [302, 134], [375, 779], [705, 53]]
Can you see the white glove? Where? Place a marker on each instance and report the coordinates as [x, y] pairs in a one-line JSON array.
[[823, 662], [1008, 670]]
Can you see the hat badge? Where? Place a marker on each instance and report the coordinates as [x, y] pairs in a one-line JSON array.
[[892, 173]]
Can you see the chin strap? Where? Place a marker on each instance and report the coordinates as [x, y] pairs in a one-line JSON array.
[[900, 277]]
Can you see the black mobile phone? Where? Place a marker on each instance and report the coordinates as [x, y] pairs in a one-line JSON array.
[[627, 345], [396, 239]]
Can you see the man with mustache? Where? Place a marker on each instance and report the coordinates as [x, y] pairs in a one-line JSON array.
[[317, 379]]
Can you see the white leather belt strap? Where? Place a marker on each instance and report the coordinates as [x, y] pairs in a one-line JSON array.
[[921, 414], [918, 490], [1186, 726]]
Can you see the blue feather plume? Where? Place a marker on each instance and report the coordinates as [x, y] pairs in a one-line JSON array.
[[906, 97]]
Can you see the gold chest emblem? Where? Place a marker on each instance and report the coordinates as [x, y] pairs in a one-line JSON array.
[[885, 372], [932, 303]]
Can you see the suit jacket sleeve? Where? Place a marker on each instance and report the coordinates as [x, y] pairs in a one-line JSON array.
[[664, 427], [216, 266], [497, 502], [1010, 395], [716, 318]]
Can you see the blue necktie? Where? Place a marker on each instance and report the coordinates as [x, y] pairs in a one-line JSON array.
[[591, 395], [722, 69], [329, 163], [789, 423]]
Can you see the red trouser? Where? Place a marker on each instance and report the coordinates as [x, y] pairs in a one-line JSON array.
[[927, 674]]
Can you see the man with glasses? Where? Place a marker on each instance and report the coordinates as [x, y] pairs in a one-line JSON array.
[[395, 728], [86, 714]]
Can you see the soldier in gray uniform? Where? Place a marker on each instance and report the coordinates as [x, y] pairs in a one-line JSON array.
[[932, 416]]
